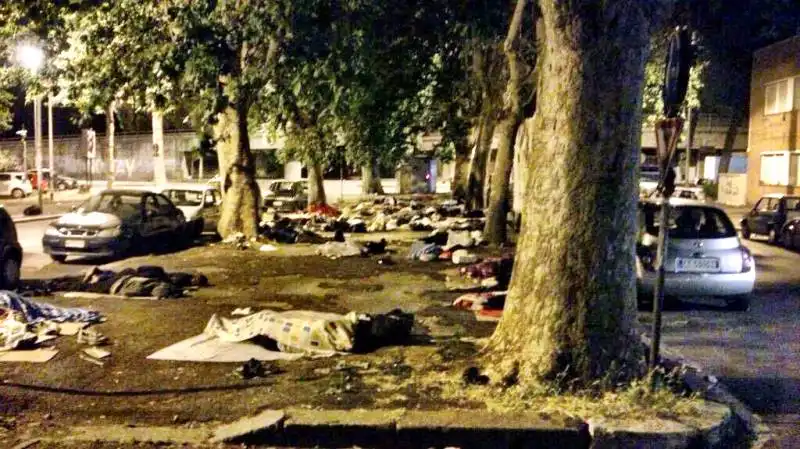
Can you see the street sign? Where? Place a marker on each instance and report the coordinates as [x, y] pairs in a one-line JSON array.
[[668, 131], [676, 72]]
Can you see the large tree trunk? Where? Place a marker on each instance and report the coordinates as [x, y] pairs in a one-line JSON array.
[[240, 205], [461, 170], [570, 309], [370, 179], [316, 186], [494, 231], [110, 134], [477, 163], [730, 139], [159, 167]]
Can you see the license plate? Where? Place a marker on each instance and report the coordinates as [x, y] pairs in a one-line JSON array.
[[75, 243], [705, 265], [277, 203]]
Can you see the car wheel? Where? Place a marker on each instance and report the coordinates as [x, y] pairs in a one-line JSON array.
[[17, 194], [9, 277], [738, 303], [745, 231], [786, 239], [62, 186], [772, 237], [58, 257]]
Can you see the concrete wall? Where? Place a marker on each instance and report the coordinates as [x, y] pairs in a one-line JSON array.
[[773, 132], [732, 189], [133, 155]]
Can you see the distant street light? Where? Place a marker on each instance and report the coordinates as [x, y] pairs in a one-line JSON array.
[[32, 58]]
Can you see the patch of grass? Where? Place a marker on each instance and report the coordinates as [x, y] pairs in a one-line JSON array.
[[634, 400]]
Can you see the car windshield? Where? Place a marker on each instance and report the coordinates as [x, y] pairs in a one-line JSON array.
[[282, 188], [184, 197], [691, 222], [123, 205]]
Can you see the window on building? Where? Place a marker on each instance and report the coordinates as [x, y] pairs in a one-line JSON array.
[[775, 169], [779, 96], [796, 93]]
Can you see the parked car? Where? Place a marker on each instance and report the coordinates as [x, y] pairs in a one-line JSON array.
[[704, 256], [10, 252], [15, 185], [114, 223], [199, 203], [648, 180], [770, 215], [61, 182], [690, 193], [287, 195]]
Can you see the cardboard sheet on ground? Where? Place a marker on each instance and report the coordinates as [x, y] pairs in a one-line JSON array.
[[32, 356], [209, 348], [90, 295]]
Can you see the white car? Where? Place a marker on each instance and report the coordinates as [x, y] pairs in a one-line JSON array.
[[15, 184], [199, 204], [704, 255]]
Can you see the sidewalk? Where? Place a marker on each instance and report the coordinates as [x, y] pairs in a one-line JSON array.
[[62, 203]]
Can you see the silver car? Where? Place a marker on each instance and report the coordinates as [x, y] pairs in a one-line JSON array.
[[704, 254]]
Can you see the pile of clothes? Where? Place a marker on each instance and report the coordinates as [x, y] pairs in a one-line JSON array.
[[340, 247], [487, 282], [22, 320], [450, 245], [383, 214], [144, 281]]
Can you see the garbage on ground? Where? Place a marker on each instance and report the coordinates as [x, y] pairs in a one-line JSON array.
[[267, 248], [256, 368], [91, 337], [96, 352], [336, 250], [423, 251], [463, 256], [26, 322], [242, 311]]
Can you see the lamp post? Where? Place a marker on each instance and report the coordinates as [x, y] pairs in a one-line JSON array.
[[23, 134], [32, 57], [53, 184]]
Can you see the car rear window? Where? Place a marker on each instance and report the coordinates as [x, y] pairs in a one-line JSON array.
[[690, 222]]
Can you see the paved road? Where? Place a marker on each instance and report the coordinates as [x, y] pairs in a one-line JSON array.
[[757, 353]]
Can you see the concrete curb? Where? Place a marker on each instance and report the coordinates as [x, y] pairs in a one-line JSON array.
[[707, 385], [24, 219], [402, 428]]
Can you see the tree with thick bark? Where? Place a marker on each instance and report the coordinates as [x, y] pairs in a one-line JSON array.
[[570, 308]]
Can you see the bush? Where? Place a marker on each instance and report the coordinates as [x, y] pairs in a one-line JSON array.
[[711, 189]]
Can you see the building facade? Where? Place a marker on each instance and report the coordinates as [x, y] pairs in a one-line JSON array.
[[774, 144]]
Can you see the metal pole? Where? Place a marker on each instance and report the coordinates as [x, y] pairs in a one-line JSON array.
[[658, 300], [25, 156], [689, 118], [37, 142], [50, 145]]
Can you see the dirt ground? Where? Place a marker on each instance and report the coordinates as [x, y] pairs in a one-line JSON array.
[[46, 399]]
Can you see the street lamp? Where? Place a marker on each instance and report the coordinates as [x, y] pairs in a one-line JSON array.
[[32, 58]]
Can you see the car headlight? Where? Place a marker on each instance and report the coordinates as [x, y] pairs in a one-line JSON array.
[[52, 231], [110, 232]]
